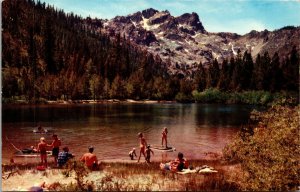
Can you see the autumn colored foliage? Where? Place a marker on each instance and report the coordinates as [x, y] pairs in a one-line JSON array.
[[268, 150]]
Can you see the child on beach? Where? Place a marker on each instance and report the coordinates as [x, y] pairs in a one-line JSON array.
[[132, 153], [63, 157], [42, 148], [143, 145], [148, 154], [55, 147], [164, 137]]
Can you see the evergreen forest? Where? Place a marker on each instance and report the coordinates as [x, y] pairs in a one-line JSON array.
[[50, 55]]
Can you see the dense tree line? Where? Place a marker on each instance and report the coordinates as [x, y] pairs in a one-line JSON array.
[[49, 54], [242, 73]]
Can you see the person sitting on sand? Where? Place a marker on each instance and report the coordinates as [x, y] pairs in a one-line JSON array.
[[164, 137], [63, 157], [177, 165], [55, 147], [143, 145], [90, 159], [42, 148], [148, 154], [132, 153]]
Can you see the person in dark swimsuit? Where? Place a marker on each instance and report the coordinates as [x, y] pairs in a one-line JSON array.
[[55, 147]]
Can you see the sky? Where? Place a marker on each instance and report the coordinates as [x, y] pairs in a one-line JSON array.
[[238, 16]]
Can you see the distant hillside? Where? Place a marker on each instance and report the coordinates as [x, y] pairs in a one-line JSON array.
[[47, 54]]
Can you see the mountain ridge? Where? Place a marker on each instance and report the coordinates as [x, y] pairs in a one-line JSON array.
[[183, 40]]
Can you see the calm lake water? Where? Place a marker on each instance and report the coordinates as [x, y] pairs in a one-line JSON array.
[[112, 128]]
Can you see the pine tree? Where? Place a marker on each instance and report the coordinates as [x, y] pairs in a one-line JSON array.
[[246, 71], [276, 74], [212, 75], [291, 70], [224, 79], [200, 78], [235, 83], [265, 64]]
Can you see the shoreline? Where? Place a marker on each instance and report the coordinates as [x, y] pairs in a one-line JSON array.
[[209, 96], [88, 101], [123, 176]]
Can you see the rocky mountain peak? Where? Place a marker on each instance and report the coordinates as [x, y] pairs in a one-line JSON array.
[[160, 17], [191, 19], [183, 41], [136, 17], [147, 13]]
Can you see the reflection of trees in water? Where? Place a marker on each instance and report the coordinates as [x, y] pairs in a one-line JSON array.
[[221, 115], [216, 124]]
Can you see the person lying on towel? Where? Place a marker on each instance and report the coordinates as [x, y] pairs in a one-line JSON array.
[[177, 165]]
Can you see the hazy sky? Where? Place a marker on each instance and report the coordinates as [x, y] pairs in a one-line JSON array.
[[239, 16]]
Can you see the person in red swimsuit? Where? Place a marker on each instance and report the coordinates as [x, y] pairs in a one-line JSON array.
[[42, 148], [164, 137], [143, 144]]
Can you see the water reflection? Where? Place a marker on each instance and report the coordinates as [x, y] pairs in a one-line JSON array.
[[112, 128]]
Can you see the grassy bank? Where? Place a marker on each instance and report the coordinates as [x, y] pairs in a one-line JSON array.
[[119, 177]]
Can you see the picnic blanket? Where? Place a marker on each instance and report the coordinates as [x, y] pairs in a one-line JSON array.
[[203, 170]]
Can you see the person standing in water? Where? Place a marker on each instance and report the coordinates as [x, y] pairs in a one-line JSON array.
[[143, 144], [164, 137], [55, 147], [148, 154], [42, 148]]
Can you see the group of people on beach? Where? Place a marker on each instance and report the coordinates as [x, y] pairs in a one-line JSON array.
[[91, 161], [61, 158], [145, 149]]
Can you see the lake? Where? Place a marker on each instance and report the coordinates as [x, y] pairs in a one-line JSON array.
[[112, 128]]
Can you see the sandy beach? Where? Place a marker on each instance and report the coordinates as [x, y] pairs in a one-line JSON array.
[[127, 175]]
